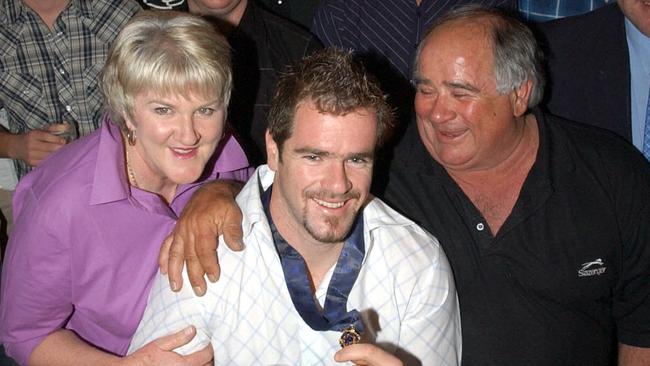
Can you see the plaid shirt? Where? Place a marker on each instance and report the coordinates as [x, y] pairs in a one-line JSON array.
[[544, 10], [51, 76]]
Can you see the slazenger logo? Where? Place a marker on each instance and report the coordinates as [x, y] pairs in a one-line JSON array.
[[593, 268]]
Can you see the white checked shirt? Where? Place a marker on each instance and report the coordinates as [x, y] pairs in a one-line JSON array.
[[405, 293]]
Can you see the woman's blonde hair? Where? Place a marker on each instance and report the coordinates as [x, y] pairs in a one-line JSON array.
[[169, 53]]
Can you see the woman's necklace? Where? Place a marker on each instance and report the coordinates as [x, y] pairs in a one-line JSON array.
[[132, 180]]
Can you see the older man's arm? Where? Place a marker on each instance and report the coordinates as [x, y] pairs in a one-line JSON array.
[[211, 212], [633, 356]]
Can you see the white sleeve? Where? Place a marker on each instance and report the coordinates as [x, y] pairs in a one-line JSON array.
[[168, 312], [431, 329]]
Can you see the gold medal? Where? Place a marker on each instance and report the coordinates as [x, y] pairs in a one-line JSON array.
[[349, 336]]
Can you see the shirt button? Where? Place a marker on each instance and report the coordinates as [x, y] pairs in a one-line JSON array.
[[279, 2], [62, 72], [59, 34], [480, 226], [68, 108]]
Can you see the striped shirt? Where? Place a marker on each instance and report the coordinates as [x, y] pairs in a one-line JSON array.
[[49, 76], [391, 28]]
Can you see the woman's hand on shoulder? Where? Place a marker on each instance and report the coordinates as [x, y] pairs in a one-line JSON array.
[[161, 352]]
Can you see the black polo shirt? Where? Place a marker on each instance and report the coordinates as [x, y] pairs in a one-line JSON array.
[[568, 274]]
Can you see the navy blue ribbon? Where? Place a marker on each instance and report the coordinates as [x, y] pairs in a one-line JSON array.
[[334, 315]]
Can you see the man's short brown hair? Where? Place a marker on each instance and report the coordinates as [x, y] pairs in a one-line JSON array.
[[336, 82]]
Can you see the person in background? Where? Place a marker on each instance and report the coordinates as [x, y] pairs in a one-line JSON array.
[[299, 11], [8, 183], [324, 261], [545, 10], [263, 45], [75, 288], [599, 69], [51, 53], [386, 33], [176, 5]]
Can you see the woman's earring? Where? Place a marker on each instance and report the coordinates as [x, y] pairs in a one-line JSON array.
[[130, 136]]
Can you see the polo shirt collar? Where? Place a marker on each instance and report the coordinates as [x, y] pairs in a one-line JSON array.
[[420, 160], [545, 154], [538, 186], [551, 156], [536, 189]]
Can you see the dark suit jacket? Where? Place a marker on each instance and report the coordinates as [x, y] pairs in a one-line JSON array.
[[263, 45], [589, 69]]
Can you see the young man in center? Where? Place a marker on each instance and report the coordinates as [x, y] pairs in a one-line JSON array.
[[325, 261]]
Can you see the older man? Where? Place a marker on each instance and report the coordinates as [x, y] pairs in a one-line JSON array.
[[544, 221], [324, 260]]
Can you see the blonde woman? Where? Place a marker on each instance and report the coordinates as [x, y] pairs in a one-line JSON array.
[[90, 220]]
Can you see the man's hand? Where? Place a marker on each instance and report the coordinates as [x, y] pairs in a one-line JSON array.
[[366, 354], [161, 352], [34, 146], [211, 212]]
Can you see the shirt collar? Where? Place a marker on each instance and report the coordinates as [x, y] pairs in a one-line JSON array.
[[85, 7], [640, 43], [248, 16], [375, 215], [15, 10], [423, 162], [110, 181], [250, 198]]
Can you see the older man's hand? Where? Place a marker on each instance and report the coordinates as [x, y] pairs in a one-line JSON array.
[[211, 212]]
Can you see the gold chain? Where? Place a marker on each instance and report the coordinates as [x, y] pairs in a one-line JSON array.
[[132, 180]]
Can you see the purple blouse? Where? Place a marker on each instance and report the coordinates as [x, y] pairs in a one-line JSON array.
[[84, 247]]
